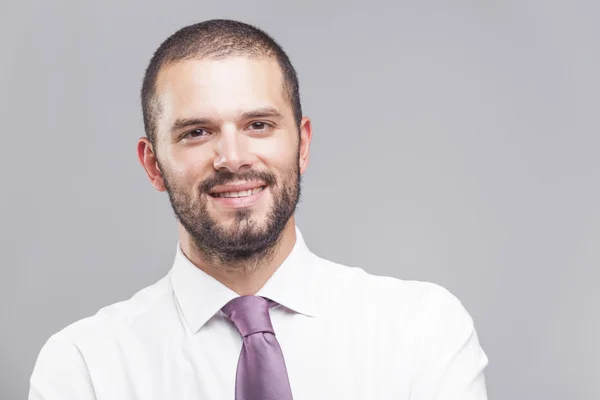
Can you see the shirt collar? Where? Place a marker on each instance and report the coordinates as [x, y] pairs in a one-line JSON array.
[[201, 296]]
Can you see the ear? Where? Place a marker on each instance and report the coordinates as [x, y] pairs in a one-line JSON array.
[[148, 159], [305, 139]]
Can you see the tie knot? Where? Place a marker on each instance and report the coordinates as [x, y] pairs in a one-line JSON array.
[[250, 314]]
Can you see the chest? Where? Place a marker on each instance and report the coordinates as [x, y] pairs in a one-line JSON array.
[[323, 361]]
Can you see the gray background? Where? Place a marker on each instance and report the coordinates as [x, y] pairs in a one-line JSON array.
[[454, 142]]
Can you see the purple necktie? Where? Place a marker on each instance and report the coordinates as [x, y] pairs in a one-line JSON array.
[[261, 372]]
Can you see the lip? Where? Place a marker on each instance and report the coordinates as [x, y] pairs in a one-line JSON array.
[[239, 202], [237, 187]]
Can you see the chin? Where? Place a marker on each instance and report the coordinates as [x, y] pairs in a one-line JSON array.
[[242, 219]]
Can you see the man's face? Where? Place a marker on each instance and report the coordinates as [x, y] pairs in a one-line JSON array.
[[228, 149]]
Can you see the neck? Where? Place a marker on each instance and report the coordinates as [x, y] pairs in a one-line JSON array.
[[246, 277]]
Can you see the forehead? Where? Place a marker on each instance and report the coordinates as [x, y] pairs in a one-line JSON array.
[[220, 88]]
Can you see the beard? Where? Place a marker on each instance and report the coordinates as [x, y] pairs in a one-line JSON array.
[[246, 239]]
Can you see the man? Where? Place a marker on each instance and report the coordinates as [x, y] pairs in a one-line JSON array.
[[247, 311]]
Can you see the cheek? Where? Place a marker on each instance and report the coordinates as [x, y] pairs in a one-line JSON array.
[[279, 153], [188, 166]]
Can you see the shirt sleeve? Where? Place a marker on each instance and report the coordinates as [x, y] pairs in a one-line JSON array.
[[60, 373], [451, 361]]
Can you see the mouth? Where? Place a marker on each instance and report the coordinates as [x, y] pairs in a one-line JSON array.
[[234, 194], [239, 195]]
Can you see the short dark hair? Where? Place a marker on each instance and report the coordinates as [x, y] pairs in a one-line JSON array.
[[216, 39]]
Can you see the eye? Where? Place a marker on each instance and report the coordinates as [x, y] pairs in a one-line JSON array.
[[259, 126], [196, 133]]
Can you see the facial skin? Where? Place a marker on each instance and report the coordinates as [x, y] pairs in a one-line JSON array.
[[226, 126]]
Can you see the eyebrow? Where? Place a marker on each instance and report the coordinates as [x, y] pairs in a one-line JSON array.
[[265, 112], [181, 123]]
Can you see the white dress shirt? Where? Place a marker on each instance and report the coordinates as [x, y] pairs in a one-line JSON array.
[[345, 334]]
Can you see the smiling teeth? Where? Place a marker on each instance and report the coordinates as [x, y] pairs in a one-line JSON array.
[[243, 193]]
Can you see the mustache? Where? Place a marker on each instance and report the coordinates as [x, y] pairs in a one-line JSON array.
[[224, 177]]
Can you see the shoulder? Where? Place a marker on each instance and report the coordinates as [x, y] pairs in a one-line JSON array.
[[426, 299], [114, 318], [62, 359]]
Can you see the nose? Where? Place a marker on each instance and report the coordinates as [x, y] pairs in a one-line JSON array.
[[232, 152]]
